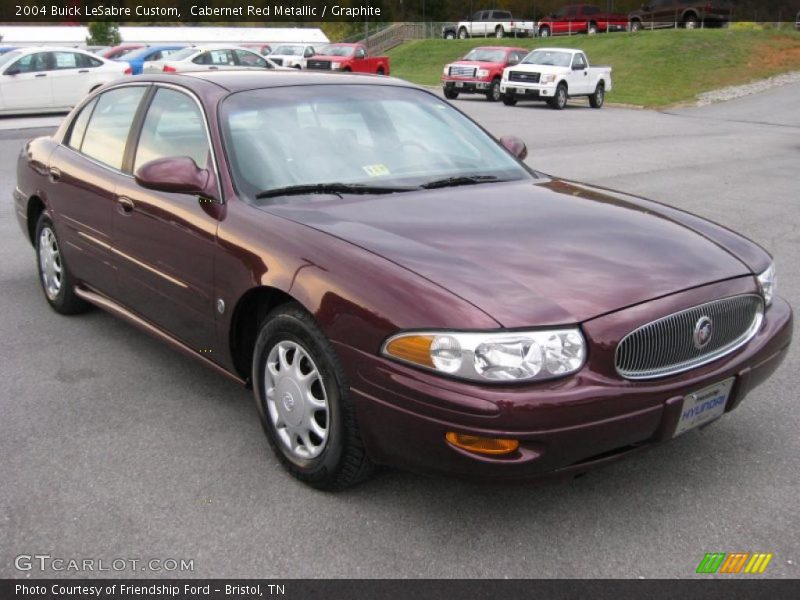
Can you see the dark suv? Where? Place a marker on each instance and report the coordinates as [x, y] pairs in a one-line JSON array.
[[668, 13]]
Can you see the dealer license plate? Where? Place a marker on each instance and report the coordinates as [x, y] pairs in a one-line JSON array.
[[459, 84], [521, 90], [703, 406]]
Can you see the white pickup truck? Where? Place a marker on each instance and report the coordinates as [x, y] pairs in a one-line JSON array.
[[555, 75], [496, 23]]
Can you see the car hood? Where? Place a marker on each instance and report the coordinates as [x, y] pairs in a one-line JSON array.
[[530, 253]]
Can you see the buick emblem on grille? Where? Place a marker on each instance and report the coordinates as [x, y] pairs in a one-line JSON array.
[[703, 330]]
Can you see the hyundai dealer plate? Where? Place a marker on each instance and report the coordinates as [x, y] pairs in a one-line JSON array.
[[703, 406]]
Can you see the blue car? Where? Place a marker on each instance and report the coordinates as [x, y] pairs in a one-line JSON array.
[[4, 49], [137, 58]]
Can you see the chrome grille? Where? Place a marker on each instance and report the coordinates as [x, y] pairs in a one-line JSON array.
[[322, 65], [667, 346], [524, 76], [461, 71]]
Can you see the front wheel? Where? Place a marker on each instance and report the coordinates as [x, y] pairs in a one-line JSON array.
[[559, 101], [450, 94], [449, 35], [544, 32], [303, 400], [592, 29], [596, 100], [636, 26], [691, 22], [494, 94], [509, 100], [54, 276]]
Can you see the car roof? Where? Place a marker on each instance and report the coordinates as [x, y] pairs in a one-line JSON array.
[[29, 49], [237, 81], [559, 49], [509, 48]]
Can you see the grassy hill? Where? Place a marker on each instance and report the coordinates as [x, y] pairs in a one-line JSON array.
[[651, 68]]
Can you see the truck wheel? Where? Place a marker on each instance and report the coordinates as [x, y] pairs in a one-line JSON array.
[[380, 71], [596, 100], [303, 401], [347, 70], [450, 35], [690, 21], [462, 33], [499, 32], [509, 100], [636, 26], [544, 32], [450, 94], [494, 93], [559, 101], [592, 29]]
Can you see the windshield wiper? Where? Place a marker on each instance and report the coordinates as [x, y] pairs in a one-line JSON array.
[[331, 188], [461, 180]]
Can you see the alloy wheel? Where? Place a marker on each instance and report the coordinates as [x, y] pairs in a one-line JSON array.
[[50, 263], [296, 400]]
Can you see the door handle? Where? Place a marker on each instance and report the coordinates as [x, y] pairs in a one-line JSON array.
[[41, 75], [125, 205], [213, 68], [55, 173], [83, 71]]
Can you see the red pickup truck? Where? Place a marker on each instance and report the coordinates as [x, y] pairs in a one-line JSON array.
[[581, 18], [480, 71], [348, 57]]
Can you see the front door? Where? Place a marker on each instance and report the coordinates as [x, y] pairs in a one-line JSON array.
[[166, 242], [26, 83], [579, 77]]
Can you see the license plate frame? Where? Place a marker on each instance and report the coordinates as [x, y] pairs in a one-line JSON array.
[[459, 84], [703, 406]]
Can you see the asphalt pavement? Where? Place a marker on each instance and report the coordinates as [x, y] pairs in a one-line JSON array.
[[114, 446]]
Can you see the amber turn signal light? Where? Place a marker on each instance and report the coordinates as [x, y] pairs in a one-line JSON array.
[[413, 348], [480, 444]]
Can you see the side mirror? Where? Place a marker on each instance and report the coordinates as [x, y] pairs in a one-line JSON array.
[[178, 174], [13, 71], [515, 146]]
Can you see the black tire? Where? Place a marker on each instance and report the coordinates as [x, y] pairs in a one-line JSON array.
[[450, 35], [690, 21], [544, 32], [597, 99], [380, 71], [65, 301], [494, 94], [559, 101], [509, 100], [499, 32], [462, 33], [347, 70], [343, 461], [592, 29], [636, 26], [450, 94]]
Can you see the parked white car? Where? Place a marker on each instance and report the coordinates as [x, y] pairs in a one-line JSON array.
[[51, 79], [494, 23], [555, 75], [208, 58], [292, 55]]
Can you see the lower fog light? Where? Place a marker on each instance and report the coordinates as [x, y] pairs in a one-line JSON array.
[[480, 444]]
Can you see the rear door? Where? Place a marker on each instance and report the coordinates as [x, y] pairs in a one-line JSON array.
[[215, 59], [245, 58], [73, 76], [27, 83], [167, 241], [84, 174]]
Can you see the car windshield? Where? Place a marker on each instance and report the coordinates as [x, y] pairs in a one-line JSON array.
[[548, 57], [9, 57], [289, 50], [486, 55], [336, 50], [182, 54], [356, 135]]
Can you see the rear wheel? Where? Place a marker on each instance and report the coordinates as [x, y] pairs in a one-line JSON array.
[[494, 94], [462, 33], [380, 71], [450, 94], [596, 100], [544, 32], [636, 25], [559, 101], [509, 100], [499, 32], [592, 29], [303, 401], [691, 22], [57, 282]]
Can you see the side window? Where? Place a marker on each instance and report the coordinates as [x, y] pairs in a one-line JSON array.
[[32, 63], [215, 57], [89, 62], [309, 52], [361, 53], [67, 60], [166, 53], [579, 62], [110, 124], [156, 56], [250, 59], [477, 16], [75, 139], [174, 126]]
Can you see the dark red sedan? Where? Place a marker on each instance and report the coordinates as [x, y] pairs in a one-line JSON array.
[[395, 284]]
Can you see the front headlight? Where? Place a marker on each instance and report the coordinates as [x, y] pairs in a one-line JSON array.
[[768, 282], [492, 356], [548, 78], [483, 73], [335, 65], [446, 70]]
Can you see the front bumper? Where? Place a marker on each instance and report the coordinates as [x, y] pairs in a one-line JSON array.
[[528, 91], [564, 427], [467, 86]]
